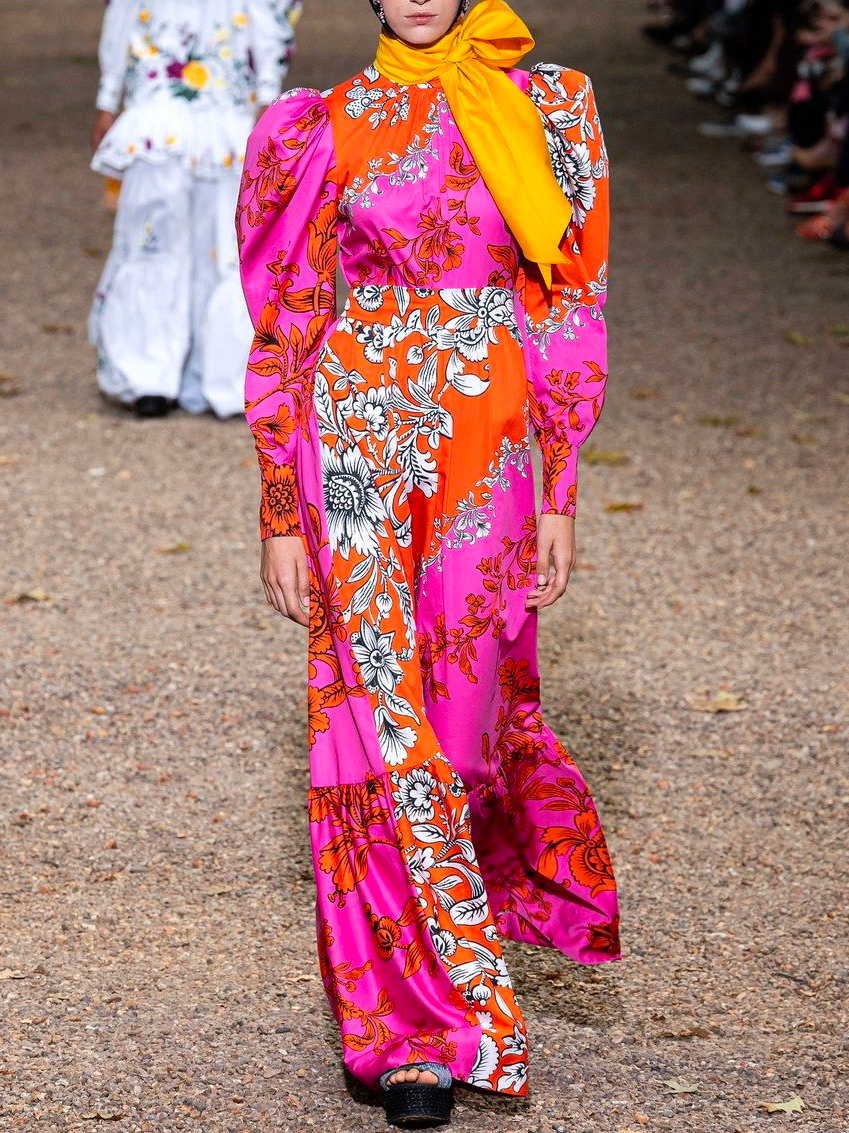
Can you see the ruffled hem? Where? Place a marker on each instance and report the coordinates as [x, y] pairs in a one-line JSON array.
[[208, 139], [409, 955]]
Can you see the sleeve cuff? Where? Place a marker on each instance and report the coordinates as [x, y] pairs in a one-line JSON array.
[[109, 93], [279, 507], [559, 478]]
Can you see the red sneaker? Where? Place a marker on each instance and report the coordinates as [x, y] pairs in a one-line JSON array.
[[819, 198]]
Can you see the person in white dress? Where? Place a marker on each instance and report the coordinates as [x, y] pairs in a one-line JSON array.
[[169, 320]]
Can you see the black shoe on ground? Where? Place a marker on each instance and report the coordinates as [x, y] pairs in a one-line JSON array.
[[414, 1105], [150, 406]]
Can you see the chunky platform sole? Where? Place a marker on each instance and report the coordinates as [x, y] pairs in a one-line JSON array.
[[411, 1106], [415, 1105]]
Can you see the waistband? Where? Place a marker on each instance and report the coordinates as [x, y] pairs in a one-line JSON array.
[[483, 307]]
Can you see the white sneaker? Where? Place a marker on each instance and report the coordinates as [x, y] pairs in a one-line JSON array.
[[721, 130], [775, 158], [711, 64], [758, 125], [701, 86]]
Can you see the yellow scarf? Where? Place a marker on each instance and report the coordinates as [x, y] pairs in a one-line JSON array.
[[499, 123]]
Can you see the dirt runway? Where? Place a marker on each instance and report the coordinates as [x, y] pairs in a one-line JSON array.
[[157, 961]]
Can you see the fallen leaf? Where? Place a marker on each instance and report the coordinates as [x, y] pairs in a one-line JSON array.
[[794, 1105], [34, 595], [803, 439], [103, 1115], [719, 422], [723, 701], [679, 1087], [840, 329], [754, 490], [644, 393], [8, 386], [749, 431], [613, 457], [56, 328], [690, 1032], [797, 339], [176, 549], [624, 505], [842, 397], [8, 461]]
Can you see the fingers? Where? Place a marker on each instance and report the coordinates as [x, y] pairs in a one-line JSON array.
[[544, 570], [303, 573], [558, 583], [291, 593], [285, 578], [283, 593], [555, 562]]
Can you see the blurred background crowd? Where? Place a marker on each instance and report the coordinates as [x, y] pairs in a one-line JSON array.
[[779, 72]]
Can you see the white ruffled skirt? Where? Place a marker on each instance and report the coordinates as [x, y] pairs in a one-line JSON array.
[[169, 318], [206, 137]]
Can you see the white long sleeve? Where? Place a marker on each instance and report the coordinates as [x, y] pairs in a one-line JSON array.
[[272, 39], [113, 52]]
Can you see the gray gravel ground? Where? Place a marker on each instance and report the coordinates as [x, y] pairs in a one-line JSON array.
[[157, 963]]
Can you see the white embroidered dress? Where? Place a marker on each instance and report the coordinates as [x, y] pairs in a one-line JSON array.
[[168, 318]]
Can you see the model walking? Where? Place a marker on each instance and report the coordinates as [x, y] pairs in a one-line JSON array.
[[169, 321], [468, 202]]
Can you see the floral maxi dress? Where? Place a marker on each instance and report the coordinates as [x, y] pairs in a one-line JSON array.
[[394, 439]]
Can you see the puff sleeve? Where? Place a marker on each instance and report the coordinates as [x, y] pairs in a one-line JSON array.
[[565, 334], [113, 52], [286, 224], [272, 42]]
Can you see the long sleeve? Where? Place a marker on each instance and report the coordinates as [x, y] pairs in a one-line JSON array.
[[113, 52], [286, 224], [272, 41], [566, 338]]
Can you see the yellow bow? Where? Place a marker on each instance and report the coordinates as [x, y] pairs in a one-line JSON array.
[[499, 123]]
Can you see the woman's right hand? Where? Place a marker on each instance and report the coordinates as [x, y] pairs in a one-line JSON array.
[[286, 577], [103, 123]]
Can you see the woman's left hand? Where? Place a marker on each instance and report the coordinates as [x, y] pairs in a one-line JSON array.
[[556, 557]]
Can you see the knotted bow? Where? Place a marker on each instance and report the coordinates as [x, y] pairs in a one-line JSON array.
[[498, 121]]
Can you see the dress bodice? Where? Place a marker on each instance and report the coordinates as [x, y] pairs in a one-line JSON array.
[[376, 177], [413, 208], [199, 52]]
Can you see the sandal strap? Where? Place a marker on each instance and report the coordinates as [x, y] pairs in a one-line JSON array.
[[443, 1075]]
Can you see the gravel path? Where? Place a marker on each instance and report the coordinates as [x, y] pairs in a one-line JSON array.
[[157, 966]]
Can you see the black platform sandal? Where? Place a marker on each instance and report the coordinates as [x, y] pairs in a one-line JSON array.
[[416, 1105]]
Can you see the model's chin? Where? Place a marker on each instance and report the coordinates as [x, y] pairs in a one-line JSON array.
[[421, 35]]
